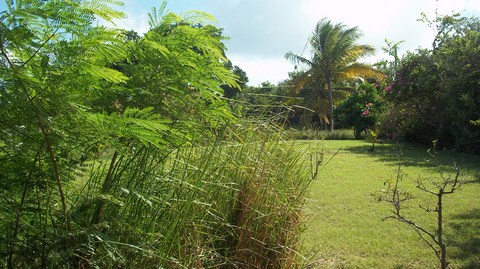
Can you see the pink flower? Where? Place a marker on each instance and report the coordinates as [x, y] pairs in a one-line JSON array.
[[388, 88], [365, 112]]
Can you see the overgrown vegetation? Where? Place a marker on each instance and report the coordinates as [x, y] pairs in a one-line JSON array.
[[120, 151], [309, 134], [433, 94]]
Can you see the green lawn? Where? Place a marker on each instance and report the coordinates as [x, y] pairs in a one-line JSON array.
[[345, 222]]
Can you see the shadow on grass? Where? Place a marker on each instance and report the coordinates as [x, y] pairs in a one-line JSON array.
[[408, 155], [465, 240], [476, 173], [463, 228]]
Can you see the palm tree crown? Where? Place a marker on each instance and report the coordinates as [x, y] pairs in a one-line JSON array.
[[334, 59]]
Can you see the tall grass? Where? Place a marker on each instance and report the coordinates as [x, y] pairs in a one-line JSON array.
[[224, 203]]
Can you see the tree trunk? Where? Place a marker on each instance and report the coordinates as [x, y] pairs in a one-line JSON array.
[[330, 99], [443, 247]]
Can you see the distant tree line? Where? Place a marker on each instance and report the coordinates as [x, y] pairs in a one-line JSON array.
[[424, 96]]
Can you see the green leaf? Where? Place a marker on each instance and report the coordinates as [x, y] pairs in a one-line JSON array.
[[106, 73]]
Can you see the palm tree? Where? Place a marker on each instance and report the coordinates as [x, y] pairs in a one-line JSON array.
[[334, 59]]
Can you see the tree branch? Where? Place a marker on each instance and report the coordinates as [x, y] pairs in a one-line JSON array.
[[39, 48]]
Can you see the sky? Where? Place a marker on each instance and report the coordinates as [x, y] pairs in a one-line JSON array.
[[262, 31]]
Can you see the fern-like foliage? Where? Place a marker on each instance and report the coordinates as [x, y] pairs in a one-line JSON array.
[[142, 125], [183, 78], [53, 60], [88, 117], [156, 16]]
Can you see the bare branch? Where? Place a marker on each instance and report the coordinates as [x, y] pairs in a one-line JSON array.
[[428, 209], [434, 239], [437, 252]]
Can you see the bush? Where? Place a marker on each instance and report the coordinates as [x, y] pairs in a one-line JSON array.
[[360, 110], [435, 94]]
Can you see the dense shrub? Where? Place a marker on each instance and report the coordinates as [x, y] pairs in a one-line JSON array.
[[361, 109], [435, 94]]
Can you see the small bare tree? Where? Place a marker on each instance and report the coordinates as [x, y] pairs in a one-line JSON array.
[[447, 185]]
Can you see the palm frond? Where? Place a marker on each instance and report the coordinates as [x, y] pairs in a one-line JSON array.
[[354, 53], [306, 77], [297, 59], [357, 70]]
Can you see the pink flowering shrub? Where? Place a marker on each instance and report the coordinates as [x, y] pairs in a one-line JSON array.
[[361, 109]]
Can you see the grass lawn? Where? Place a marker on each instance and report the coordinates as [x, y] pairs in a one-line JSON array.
[[345, 223]]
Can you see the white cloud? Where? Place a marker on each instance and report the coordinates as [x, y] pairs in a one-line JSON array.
[[272, 28], [263, 69], [138, 23]]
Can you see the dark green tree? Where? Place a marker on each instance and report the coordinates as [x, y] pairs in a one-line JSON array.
[[241, 79], [435, 93]]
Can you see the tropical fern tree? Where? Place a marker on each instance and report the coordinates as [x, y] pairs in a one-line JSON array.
[[50, 57], [83, 110]]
